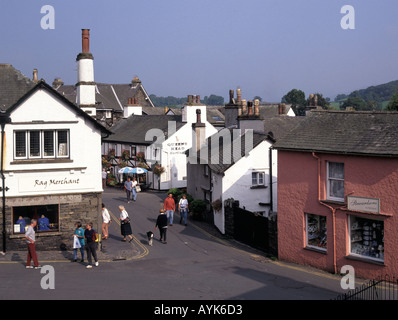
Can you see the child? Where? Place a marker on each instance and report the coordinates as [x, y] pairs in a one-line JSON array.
[[161, 222]]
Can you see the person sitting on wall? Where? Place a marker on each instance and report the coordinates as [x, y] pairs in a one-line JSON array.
[[44, 223]]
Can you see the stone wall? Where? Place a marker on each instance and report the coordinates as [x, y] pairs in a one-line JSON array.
[[80, 207]]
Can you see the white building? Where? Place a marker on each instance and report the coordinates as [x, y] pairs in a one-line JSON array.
[[163, 139], [52, 161]]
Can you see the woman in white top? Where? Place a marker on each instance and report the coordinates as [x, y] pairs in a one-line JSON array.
[[106, 220], [125, 227]]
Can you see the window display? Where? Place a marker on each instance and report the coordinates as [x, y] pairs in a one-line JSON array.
[[367, 238], [316, 231], [47, 217]]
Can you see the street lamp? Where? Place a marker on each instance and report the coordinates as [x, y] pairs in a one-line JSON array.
[[4, 119]]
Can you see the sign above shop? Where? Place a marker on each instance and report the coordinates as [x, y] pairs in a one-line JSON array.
[[54, 183], [371, 205]]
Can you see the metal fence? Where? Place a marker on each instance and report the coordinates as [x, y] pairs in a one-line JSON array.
[[382, 288]]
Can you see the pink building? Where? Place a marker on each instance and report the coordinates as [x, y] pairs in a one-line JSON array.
[[337, 192]]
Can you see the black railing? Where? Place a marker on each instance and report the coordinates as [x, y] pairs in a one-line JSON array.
[[382, 288]]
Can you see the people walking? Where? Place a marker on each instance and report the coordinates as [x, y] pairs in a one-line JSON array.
[[170, 206], [125, 227], [91, 245], [161, 223], [128, 186], [106, 220], [79, 234], [30, 236], [183, 208], [134, 190]]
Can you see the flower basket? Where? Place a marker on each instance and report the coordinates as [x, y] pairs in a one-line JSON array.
[[158, 170], [217, 205]]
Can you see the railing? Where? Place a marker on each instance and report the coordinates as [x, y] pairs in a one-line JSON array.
[[382, 288]]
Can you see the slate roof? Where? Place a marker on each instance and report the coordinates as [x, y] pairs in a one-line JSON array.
[[221, 161], [134, 128], [280, 125], [108, 96], [345, 132], [213, 115], [13, 85]]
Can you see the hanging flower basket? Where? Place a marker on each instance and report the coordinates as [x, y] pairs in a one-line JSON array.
[[158, 170], [217, 205], [125, 155]]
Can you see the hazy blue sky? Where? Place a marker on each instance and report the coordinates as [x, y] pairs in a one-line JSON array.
[[181, 47]]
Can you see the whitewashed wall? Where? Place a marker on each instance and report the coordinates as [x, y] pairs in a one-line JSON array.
[[81, 174]]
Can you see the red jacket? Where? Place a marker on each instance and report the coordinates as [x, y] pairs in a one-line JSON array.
[[169, 204]]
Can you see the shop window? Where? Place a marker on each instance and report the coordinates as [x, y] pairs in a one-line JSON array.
[[316, 234], [47, 218], [335, 186], [367, 238]]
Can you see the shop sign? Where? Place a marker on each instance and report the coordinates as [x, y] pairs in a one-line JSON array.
[[54, 183], [363, 204]]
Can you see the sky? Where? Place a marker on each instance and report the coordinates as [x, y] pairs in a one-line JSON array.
[[182, 47]]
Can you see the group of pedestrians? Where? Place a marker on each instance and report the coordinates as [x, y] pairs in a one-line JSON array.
[[166, 216], [131, 189], [87, 239]]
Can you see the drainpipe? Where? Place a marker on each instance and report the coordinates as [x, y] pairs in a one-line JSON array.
[[270, 182], [333, 210]]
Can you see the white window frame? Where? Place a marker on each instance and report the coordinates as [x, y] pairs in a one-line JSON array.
[[329, 179], [258, 174], [56, 155]]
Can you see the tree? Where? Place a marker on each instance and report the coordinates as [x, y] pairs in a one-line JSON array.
[[214, 100], [356, 102], [294, 97], [393, 104]]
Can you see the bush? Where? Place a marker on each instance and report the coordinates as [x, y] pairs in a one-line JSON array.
[[198, 207], [175, 192]]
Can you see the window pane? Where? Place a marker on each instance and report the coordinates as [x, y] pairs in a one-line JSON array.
[[254, 178], [336, 188], [20, 144], [63, 143], [336, 170], [48, 143], [34, 143], [261, 178]]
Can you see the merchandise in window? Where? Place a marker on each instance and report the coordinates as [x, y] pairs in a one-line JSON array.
[[316, 231], [367, 238], [46, 216]]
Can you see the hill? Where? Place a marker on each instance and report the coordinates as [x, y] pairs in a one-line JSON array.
[[379, 94]]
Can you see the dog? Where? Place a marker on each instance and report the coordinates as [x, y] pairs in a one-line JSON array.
[[150, 237]]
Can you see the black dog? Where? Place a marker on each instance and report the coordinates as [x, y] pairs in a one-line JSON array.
[[150, 237]]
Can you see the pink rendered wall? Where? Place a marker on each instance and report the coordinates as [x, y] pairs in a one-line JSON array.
[[372, 177]]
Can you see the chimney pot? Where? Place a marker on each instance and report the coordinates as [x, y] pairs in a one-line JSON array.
[[238, 96], [256, 107], [250, 108], [198, 116], [35, 77], [244, 106], [85, 40], [231, 97]]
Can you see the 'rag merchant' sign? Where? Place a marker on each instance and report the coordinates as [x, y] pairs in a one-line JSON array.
[[363, 204], [55, 183]]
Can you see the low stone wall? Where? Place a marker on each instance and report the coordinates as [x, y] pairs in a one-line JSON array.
[[80, 207]]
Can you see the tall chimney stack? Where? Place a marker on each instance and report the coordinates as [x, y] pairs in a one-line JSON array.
[[85, 86]]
